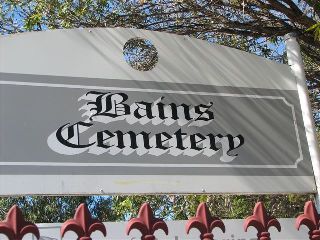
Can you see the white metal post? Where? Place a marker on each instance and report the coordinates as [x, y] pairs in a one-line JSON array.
[[296, 63]]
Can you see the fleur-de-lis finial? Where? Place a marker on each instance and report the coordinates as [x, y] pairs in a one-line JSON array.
[[204, 222], [262, 222], [15, 227], [310, 218], [83, 224], [146, 223]]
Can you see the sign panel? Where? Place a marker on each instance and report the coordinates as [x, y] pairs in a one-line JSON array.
[[76, 118]]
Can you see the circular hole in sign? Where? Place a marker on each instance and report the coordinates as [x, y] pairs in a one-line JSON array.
[[140, 54]]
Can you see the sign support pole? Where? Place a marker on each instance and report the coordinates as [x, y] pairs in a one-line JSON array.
[[296, 63]]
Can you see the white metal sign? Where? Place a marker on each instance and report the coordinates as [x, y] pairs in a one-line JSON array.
[[77, 119]]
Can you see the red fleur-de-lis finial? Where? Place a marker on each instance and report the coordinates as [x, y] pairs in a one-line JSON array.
[[204, 222], [83, 224], [261, 221], [15, 227], [310, 218], [146, 223]]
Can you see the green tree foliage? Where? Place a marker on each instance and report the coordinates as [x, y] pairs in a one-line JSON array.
[[255, 26], [316, 29], [181, 207], [169, 207], [57, 209]]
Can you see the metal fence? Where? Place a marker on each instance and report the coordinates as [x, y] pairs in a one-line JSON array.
[[259, 226]]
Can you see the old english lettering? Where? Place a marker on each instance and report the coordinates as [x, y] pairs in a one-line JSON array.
[[107, 107]]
